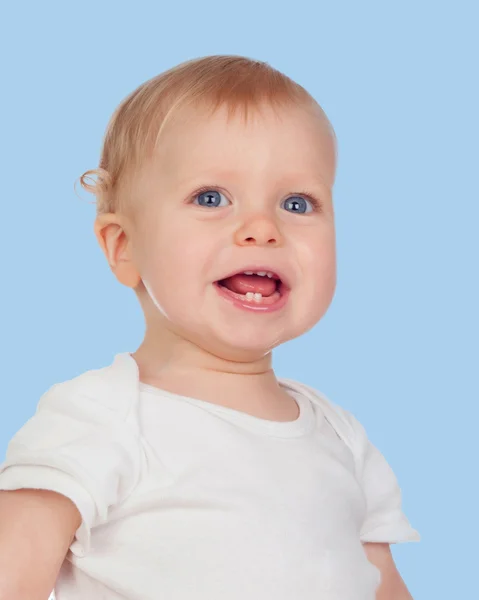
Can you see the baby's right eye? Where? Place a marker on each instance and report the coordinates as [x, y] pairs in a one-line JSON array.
[[210, 198]]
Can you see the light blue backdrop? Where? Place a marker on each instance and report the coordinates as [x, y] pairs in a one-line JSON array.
[[399, 345]]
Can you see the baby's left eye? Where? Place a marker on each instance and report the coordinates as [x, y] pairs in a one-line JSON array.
[[298, 204], [210, 198]]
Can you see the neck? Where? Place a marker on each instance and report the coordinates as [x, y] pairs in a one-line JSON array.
[[176, 364]]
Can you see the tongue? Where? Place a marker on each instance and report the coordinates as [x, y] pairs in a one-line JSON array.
[[241, 284]]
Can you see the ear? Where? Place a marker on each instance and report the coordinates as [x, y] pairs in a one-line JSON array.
[[111, 233]]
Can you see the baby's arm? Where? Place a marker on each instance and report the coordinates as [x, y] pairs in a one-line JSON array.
[[36, 530], [392, 585]]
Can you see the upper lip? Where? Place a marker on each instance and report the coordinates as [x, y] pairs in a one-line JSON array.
[[277, 273]]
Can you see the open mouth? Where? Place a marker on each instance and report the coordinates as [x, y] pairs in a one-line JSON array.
[[254, 289]]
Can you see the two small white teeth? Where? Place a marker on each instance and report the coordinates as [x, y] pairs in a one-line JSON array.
[[255, 296]]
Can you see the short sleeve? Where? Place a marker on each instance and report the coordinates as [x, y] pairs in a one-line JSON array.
[[79, 448], [385, 520]]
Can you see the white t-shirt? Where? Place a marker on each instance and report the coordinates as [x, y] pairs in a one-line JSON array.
[[183, 499]]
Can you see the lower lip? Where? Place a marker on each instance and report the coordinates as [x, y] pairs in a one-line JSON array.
[[253, 306]]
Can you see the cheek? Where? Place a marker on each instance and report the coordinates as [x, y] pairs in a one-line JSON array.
[[175, 265], [319, 272], [325, 266]]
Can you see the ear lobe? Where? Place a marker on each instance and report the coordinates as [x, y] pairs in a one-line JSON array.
[[115, 243]]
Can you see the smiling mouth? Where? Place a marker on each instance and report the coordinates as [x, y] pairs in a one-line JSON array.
[[261, 288]]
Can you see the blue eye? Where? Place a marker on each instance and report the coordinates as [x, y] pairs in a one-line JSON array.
[[210, 199], [298, 204]]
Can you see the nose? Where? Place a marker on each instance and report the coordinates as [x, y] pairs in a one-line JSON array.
[[258, 231]]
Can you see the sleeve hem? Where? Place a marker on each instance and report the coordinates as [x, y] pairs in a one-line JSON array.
[[394, 532], [41, 477]]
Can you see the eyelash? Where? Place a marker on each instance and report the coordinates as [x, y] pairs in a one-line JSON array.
[[316, 204]]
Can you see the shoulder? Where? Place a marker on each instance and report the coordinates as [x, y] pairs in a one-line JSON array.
[[345, 423], [108, 390], [384, 520]]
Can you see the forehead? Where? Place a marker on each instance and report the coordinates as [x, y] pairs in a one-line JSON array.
[[291, 140]]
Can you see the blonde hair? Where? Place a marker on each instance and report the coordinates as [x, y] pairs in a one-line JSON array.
[[212, 81]]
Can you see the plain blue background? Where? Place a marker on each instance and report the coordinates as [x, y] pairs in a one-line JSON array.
[[398, 346]]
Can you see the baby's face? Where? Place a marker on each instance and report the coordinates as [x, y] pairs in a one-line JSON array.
[[223, 197]]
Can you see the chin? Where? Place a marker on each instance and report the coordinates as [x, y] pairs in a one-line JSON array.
[[252, 343], [240, 353]]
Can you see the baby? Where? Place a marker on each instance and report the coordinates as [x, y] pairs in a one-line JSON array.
[[186, 470]]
